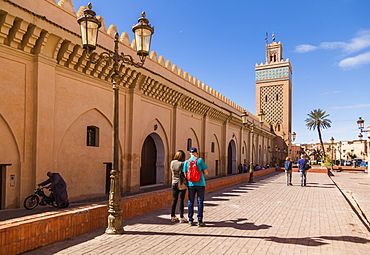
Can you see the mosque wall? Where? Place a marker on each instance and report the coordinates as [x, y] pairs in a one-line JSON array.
[[55, 102]]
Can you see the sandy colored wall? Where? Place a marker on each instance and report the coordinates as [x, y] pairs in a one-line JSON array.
[[51, 94]]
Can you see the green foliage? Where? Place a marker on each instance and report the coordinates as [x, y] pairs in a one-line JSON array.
[[351, 155], [318, 119]]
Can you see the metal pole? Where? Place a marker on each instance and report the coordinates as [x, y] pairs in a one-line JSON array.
[[251, 170], [115, 218], [332, 156]]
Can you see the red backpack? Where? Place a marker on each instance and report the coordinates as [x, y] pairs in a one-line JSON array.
[[193, 174]]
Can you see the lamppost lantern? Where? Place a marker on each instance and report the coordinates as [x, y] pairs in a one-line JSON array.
[[89, 25], [143, 32], [294, 136], [332, 140], [262, 116], [360, 123], [244, 118]]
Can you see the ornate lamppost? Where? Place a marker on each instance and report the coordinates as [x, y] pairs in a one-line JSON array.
[[276, 154], [361, 125], [143, 31], [332, 152], [340, 152], [251, 125]]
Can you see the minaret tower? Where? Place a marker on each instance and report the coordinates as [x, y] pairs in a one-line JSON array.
[[274, 92]]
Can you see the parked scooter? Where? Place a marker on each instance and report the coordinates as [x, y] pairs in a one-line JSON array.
[[39, 198]]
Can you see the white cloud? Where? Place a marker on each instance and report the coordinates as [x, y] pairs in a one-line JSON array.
[[356, 61], [303, 48], [332, 45], [331, 92], [360, 42], [350, 106]]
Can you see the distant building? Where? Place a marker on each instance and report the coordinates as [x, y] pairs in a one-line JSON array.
[[343, 150]]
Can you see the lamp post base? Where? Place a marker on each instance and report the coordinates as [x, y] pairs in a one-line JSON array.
[[251, 180], [114, 225]]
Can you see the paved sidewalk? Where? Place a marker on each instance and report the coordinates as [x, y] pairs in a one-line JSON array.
[[265, 217], [356, 188]]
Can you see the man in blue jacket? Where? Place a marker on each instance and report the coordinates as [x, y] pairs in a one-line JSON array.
[[302, 170], [196, 188]]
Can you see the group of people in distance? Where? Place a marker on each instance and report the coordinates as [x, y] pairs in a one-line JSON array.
[[288, 166], [179, 168], [243, 168]]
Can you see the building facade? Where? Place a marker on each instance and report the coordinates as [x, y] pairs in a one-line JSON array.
[[340, 150], [56, 112]]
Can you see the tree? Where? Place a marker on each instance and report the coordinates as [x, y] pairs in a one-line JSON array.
[[351, 155], [318, 120], [316, 153]]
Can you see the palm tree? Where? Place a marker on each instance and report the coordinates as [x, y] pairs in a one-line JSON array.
[[318, 120]]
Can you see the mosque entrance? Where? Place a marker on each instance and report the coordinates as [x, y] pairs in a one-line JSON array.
[[231, 158], [152, 160], [3, 184]]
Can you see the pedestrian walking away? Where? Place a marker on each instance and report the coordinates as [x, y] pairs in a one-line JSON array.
[[59, 187], [178, 186], [302, 170], [196, 188], [288, 171]]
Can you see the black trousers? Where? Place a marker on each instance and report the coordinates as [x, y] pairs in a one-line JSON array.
[[176, 193]]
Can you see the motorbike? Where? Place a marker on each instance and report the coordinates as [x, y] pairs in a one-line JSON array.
[[39, 198]]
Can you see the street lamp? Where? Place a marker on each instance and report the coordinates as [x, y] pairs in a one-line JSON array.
[[332, 152], [143, 31], [276, 155], [250, 124], [361, 125], [294, 136], [340, 152]]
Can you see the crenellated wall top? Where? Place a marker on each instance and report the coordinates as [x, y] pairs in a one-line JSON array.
[[62, 13]]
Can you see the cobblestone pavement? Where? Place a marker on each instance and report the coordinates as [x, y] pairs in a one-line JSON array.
[[266, 217]]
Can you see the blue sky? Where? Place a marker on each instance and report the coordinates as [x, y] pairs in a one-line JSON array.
[[220, 41]]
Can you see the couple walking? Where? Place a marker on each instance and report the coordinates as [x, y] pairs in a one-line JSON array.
[[179, 167], [303, 167]]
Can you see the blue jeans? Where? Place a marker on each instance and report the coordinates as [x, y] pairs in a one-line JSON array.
[[303, 175], [199, 190]]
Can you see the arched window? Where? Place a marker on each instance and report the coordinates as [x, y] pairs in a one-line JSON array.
[[212, 147], [92, 136], [189, 145]]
